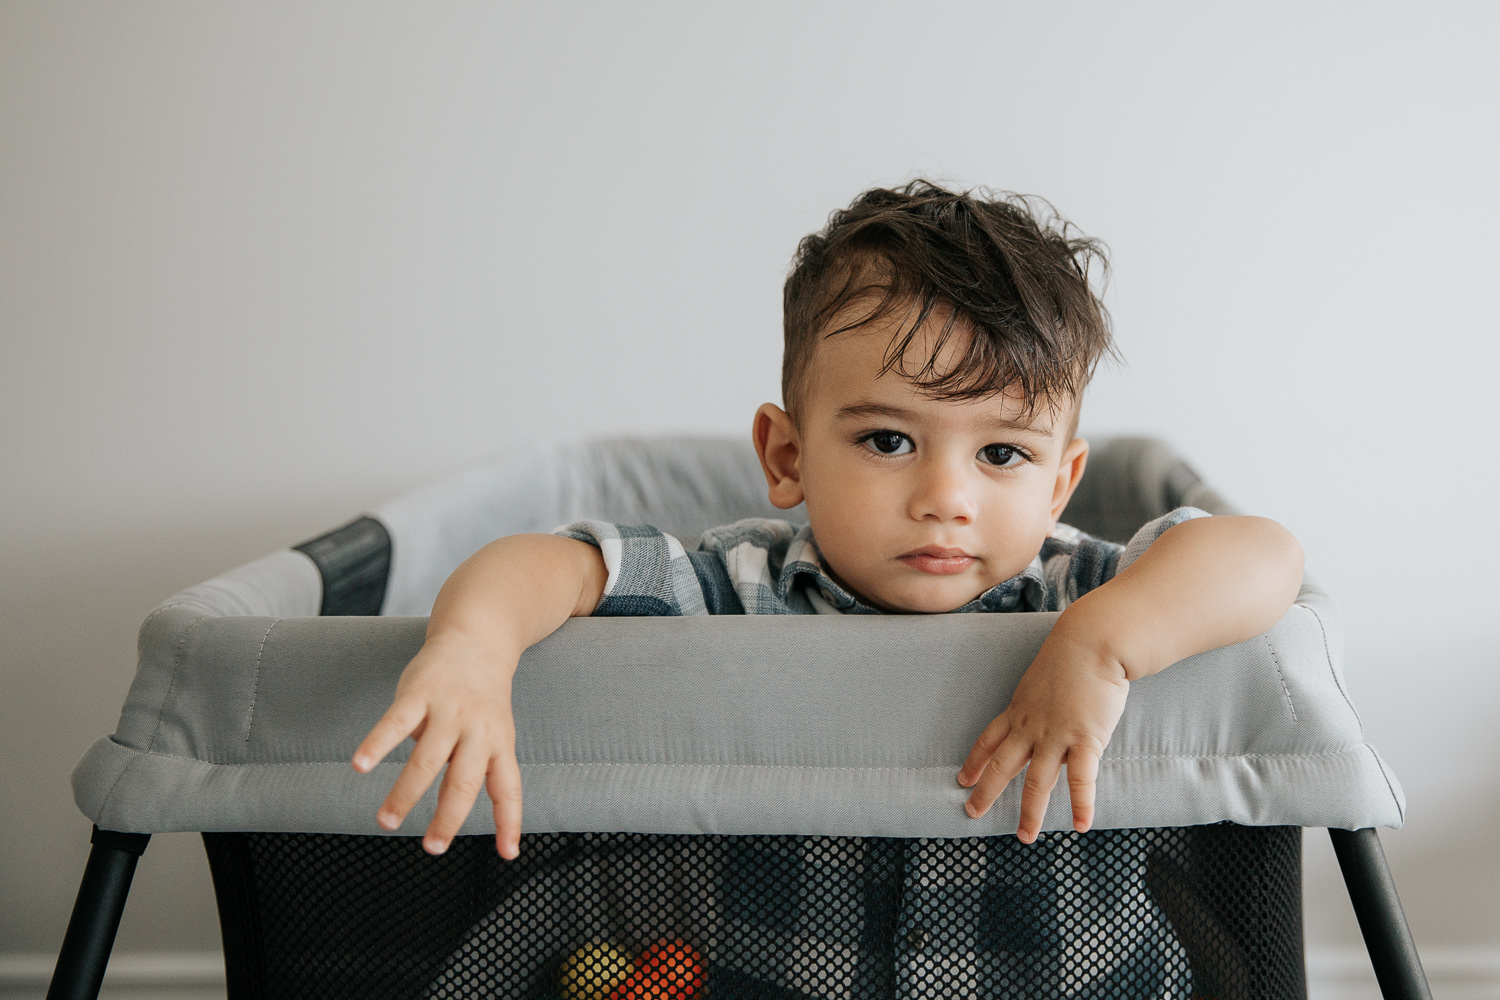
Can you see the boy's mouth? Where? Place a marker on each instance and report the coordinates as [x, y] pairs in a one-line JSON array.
[[937, 560]]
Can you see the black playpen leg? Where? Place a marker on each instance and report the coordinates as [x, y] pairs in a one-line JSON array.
[[1393, 953], [96, 914]]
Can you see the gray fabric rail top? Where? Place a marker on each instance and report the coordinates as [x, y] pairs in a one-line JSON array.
[[254, 688]]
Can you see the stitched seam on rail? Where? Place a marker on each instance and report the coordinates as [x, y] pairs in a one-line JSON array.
[[1394, 797], [938, 767], [1276, 662], [129, 766], [255, 681], [1328, 655], [161, 711], [786, 767]]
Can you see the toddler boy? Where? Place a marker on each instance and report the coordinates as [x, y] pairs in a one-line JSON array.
[[936, 349]]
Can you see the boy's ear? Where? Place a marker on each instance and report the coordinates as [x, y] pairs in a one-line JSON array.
[[780, 450], [1069, 472]]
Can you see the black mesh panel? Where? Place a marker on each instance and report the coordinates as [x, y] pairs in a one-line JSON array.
[[1186, 913]]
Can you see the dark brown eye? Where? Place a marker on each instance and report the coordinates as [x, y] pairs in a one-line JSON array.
[[888, 443], [999, 454]]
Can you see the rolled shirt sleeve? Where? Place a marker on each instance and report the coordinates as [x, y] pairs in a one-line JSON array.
[[651, 573], [1152, 530], [1073, 563]]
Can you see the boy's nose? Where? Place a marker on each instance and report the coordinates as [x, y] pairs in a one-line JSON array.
[[943, 493]]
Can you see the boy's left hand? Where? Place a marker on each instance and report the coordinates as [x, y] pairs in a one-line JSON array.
[[1063, 712]]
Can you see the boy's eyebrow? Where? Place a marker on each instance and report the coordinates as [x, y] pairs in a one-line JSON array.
[[872, 409]]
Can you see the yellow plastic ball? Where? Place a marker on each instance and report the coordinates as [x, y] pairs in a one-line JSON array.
[[594, 970]]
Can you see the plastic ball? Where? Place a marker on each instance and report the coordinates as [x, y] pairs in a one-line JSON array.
[[668, 970], [594, 971]]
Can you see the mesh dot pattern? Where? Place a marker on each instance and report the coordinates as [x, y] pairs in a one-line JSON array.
[[1185, 913]]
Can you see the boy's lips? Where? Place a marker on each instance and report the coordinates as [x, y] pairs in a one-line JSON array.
[[937, 559]]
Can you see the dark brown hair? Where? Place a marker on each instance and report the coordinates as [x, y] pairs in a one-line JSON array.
[[1006, 266]]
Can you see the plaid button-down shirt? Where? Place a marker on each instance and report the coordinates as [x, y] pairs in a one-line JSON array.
[[760, 566]]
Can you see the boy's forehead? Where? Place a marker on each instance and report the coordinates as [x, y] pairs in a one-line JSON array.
[[998, 413], [853, 336], [850, 379]]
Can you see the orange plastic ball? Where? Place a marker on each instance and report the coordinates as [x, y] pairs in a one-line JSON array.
[[668, 970]]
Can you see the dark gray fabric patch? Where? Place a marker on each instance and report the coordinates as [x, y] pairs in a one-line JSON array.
[[354, 562]]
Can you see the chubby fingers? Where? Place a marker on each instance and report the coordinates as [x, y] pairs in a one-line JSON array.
[[1001, 753], [1083, 775], [998, 768], [1042, 766], [1042, 773], [432, 751], [504, 786], [461, 784], [402, 719], [984, 748], [1041, 778]]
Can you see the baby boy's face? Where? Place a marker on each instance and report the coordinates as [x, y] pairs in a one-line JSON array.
[[918, 504]]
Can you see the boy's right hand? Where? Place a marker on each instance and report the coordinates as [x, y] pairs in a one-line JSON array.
[[454, 699], [454, 696]]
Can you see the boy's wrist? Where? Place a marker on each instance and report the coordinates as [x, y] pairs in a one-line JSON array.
[[489, 642], [1205, 583], [1090, 626]]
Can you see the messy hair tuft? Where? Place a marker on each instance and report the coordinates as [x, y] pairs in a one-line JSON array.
[[1006, 267]]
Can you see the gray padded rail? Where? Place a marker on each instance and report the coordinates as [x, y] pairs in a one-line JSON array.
[[246, 707]]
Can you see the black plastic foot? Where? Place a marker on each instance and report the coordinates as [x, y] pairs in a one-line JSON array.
[[1393, 953], [96, 915]]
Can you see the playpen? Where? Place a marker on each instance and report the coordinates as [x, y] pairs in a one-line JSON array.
[[726, 807]]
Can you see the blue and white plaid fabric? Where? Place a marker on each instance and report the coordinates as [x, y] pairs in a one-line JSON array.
[[761, 566]]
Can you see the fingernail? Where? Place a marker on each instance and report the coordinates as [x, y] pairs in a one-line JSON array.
[[387, 819], [971, 809], [434, 845], [963, 779], [361, 763]]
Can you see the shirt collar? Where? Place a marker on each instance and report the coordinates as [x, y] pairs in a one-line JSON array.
[[804, 570]]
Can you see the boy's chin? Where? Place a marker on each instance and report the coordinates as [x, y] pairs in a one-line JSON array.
[[927, 602]]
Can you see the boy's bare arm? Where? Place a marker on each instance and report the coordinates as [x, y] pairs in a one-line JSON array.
[[1204, 583], [454, 696]]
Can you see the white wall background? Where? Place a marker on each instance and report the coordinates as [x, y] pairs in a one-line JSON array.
[[264, 265]]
